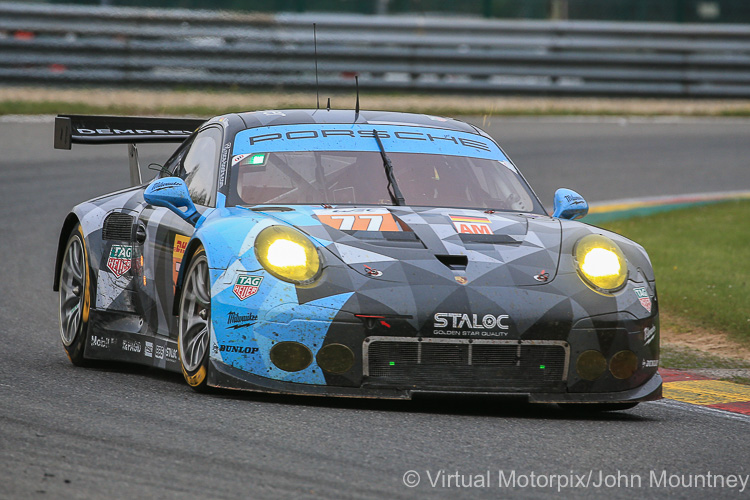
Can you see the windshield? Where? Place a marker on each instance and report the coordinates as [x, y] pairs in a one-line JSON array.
[[346, 164], [358, 177]]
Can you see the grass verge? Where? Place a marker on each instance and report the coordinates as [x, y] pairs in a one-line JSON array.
[[84, 108], [210, 102], [701, 257], [685, 358]]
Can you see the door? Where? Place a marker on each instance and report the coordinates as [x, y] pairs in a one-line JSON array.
[[162, 236]]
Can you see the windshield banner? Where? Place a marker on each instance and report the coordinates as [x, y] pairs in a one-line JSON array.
[[360, 137]]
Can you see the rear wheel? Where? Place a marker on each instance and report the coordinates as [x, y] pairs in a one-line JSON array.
[[194, 320], [75, 297]]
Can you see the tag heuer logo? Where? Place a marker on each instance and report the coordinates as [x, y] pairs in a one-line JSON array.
[[120, 258], [643, 298], [246, 286]]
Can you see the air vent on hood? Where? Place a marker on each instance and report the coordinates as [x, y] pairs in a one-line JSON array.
[[491, 239], [118, 226], [272, 209], [455, 262], [397, 239]]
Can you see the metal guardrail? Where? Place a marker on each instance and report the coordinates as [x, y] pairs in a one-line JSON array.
[[44, 44]]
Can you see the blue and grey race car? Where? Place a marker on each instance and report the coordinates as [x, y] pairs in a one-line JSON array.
[[347, 253]]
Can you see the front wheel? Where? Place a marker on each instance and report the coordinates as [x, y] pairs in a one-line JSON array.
[[194, 320], [75, 297]]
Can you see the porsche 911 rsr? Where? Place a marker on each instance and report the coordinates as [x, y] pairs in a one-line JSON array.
[[343, 253]]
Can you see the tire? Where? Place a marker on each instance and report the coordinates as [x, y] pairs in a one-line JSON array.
[[583, 408], [75, 297], [194, 320]]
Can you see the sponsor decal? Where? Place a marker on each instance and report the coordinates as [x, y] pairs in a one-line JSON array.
[[223, 164], [459, 320], [643, 297], [543, 276], [344, 137], [574, 200], [167, 185], [470, 224], [102, 342], [238, 349], [358, 219], [120, 259], [649, 334], [130, 131], [159, 352], [470, 324], [238, 158], [372, 272], [149, 350], [246, 285], [650, 363], [178, 253], [237, 320], [131, 346], [170, 353]]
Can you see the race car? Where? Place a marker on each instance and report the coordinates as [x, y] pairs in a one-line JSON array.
[[351, 253]]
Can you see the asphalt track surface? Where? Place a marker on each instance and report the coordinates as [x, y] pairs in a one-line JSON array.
[[129, 432]]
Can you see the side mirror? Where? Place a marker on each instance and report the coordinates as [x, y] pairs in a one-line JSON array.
[[569, 205], [172, 193]]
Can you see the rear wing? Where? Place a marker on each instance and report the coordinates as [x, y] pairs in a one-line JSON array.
[[84, 129], [130, 130]]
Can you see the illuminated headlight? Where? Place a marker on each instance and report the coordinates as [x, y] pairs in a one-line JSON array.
[[601, 263], [287, 254]]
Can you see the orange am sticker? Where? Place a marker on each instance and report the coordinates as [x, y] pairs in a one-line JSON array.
[[178, 252], [358, 219], [471, 224]]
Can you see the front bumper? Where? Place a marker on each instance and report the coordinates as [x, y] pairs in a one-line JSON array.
[[225, 376]]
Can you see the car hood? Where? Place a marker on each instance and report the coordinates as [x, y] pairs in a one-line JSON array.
[[401, 244]]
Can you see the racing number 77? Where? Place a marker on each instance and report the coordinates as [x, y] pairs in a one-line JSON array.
[[356, 222]]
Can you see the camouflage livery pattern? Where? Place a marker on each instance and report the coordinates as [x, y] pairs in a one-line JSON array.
[[486, 283]]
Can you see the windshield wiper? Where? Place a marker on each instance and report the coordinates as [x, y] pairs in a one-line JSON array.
[[396, 197]]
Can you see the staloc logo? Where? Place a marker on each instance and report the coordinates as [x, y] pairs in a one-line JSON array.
[[460, 320]]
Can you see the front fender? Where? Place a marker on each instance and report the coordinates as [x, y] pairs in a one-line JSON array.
[[227, 240]]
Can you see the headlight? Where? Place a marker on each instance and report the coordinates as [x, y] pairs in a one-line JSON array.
[[287, 254], [601, 263]]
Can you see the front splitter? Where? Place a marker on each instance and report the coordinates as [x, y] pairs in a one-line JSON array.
[[225, 376]]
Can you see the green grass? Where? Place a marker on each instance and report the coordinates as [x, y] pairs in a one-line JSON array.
[[451, 106], [81, 108], [701, 258], [686, 359]]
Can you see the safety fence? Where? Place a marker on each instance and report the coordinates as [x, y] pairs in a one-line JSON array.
[[133, 47], [667, 11]]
